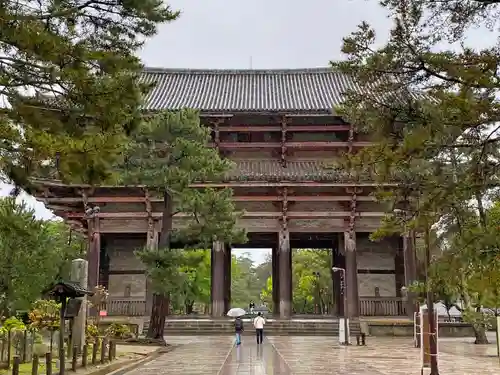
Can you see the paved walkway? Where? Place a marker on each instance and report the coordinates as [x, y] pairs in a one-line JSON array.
[[315, 355]]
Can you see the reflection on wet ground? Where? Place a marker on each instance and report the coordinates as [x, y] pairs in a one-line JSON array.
[[316, 355]]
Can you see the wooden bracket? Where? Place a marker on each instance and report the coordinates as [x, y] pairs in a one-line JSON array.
[[284, 208], [284, 125]]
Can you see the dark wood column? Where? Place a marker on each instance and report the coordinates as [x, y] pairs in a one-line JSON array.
[[151, 243], [285, 274], [218, 279], [351, 268], [227, 278], [276, 280]]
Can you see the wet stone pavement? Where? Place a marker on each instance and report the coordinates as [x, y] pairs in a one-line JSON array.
[[315, 355]]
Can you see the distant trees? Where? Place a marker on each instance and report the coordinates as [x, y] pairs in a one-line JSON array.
[[33, 254]]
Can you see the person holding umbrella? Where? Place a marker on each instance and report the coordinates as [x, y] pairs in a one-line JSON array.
[[237, 313]]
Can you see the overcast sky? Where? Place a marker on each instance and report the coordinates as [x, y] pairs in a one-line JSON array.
[[237, 34]]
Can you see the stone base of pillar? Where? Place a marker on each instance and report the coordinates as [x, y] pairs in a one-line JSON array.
[[218, 309], [285, 309]]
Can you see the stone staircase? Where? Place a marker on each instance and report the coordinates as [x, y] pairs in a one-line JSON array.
[[278, 327]]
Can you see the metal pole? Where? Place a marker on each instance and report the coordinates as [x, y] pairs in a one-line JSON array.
[[346, 312]]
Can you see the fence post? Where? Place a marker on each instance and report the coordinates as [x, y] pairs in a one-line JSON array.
[[48, 363], [85, 353], [9, 347], [103, 349], [34, 365], [110, 350], [25, 347], [15, 365], [95, 348], [74, 359]]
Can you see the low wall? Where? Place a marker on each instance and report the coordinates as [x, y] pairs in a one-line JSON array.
[[405, 328]]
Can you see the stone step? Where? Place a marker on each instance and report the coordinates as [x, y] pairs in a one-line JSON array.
[[276, 327]]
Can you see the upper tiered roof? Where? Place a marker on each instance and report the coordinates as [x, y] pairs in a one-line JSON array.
[[228, 91]]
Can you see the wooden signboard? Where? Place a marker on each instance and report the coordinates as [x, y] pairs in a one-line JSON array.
[[425, 336]]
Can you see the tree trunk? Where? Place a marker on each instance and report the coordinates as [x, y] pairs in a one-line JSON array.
[[158, 315], [160, 305], [480, 334]]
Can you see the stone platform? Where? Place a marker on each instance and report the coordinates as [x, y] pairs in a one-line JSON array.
[[217, 355]]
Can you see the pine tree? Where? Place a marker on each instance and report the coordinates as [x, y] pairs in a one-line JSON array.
[[69, 79], [433, 112], [168, 154]]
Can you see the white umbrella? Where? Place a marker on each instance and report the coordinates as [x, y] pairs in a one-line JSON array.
[[236, 312]]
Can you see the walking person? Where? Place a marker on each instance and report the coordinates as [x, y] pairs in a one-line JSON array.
[[238, 329], [258, 323]]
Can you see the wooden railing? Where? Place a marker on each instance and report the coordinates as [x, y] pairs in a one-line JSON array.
[[126, 306], [381, 306]]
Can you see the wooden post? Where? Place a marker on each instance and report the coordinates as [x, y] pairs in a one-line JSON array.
[[62, 359], [104, 345], [24, 357], [74, 359], [110, 351], [95, 348], [48, 363], [34, 365], [15, 365], [85, 353], [9, 347], [2, 350]]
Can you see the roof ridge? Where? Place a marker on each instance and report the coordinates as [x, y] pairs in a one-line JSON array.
[[316, 70]]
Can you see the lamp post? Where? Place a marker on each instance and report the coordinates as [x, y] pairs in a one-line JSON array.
[[343, 290]]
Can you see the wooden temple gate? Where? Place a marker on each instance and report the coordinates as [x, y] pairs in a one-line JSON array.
[[279, 129]]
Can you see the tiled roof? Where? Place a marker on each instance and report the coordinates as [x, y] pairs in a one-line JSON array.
[[305, 90], [271, 170]]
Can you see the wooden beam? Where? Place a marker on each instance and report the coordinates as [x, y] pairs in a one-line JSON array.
[[277, 128], [54, 183], [295, 145], [54, 202], [289, 215]]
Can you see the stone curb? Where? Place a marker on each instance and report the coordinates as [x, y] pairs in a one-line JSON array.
[[126, 366]]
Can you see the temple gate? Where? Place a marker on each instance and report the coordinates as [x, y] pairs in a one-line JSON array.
[[279, 128]]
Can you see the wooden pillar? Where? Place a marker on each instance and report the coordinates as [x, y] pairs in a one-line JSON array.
[[276, 280], [227, 278], [218, 279], [351, 273], [151, 243], [285, 274]]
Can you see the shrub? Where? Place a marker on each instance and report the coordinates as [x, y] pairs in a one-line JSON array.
[[91, 333], [119, 331]]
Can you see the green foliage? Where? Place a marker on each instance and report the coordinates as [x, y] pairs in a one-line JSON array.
[[76, 60], [33, 254], [168, 154], [91, 333], [13, 324], [45, 315], [118, 331]]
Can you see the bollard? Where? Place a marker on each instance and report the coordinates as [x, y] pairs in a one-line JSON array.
[[34, 365], [85, 353], [74, 358], [16, 361], [104, 345], [363, 338], [48, 363], [114, 350], [358, 340], [95, 348]]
